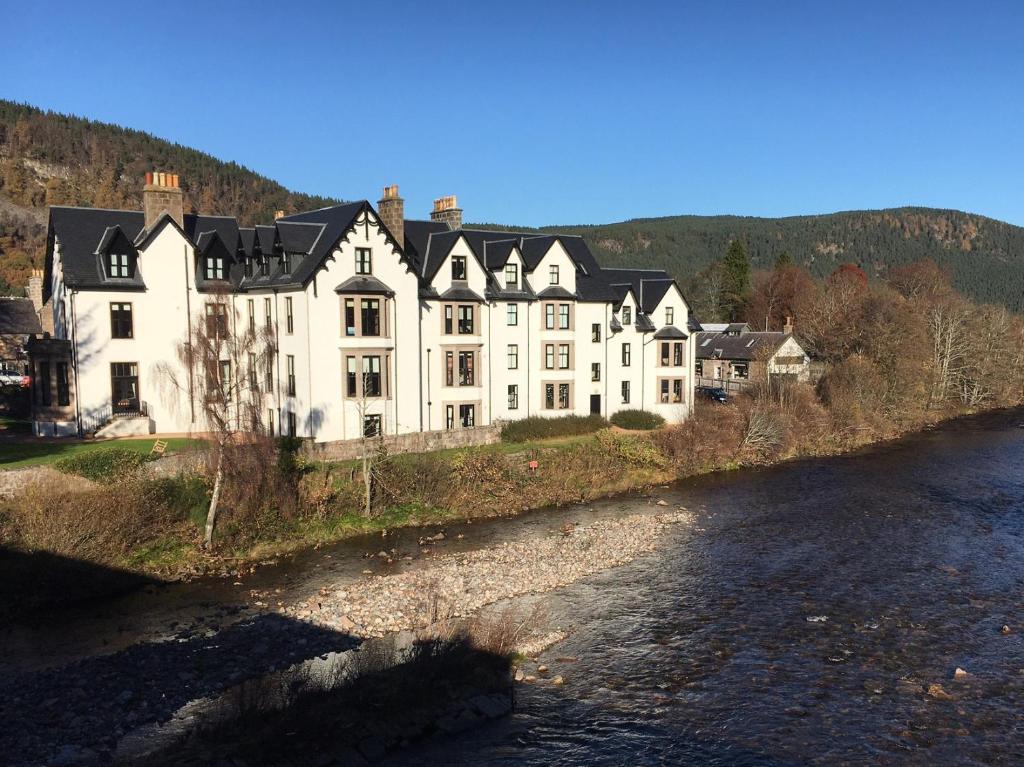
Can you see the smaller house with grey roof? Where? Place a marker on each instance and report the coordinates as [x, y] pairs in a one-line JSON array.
[[731, 356]]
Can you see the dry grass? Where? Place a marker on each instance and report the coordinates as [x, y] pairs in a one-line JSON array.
[[98, 524]]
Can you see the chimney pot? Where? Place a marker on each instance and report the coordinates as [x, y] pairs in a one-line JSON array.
[[447, 210], [162, 193]]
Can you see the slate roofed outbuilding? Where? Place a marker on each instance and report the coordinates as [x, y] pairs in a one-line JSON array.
[[737, 347]]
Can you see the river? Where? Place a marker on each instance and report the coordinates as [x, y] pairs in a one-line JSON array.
[[703, 654], [908, 557]]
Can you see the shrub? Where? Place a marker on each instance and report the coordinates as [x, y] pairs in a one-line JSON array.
[[706, 441], [633, 449], [187, 496], [100, 524], [637, 419], [538, 427], [102, 465]]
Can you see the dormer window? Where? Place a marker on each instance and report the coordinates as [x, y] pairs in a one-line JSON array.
[[213, 268], [264, 266], [511, 275], [286, 263], [458, 267], [364, 261], [553, 274], [120, 265], [627, 315], [248, 267], [670, 315]]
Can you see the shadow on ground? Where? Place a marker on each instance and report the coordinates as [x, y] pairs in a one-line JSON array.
[[36, 581]]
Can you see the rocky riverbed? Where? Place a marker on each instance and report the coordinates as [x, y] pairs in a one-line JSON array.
[[458, 585], [79, 713]]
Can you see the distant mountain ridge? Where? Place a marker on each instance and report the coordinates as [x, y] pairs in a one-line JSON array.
[[985, 256], [48, 158]]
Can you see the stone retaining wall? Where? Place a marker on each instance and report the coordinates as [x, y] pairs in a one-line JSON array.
[[416, 442]]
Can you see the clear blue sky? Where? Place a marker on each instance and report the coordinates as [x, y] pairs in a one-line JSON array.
[[561, 112]]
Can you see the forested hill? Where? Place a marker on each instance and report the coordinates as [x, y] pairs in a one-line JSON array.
[[985, 256], [53, 159]]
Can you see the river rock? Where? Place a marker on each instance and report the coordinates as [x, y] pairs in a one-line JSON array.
[[960, 673], [938, 692]]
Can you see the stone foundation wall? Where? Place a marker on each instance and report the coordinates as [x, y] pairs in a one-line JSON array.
[[417, 442]]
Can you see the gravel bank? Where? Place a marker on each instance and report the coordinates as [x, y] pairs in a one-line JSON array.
[[77, 714], [458, 585]]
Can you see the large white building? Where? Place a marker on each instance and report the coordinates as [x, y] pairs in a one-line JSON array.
[[376, 321]]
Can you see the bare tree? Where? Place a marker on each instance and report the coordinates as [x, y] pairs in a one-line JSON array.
[[372, 448], [218, 372], [947, 325]]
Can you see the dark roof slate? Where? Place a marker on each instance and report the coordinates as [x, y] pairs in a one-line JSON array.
[[731, 347], [669, 332], [460, 293], [18, 317], [364, 284], [555, 291]]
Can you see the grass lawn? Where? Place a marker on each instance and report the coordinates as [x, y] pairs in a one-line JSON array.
[[14, 455]]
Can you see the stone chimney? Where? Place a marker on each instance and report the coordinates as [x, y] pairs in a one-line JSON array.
[[447, 210], [162, 193], [34, 291], [391, 208], [788, 327]]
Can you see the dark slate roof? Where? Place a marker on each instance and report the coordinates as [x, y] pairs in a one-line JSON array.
[[247, 241], [18, 317], [266, 237], [670, 331], [429, 243], [555, 291], [534, 247], [460, 293], [648, 285], [742, 347], [497, 252], [496, 292], [364, 284], [693, 324], [299, 237], [318, 241], [83, 231], [438, 246], [417, 236], [643, 323]]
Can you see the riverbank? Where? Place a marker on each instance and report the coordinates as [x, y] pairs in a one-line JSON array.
[[157, 535], [84, 710]]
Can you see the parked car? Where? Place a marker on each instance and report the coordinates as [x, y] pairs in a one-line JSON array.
[[12, 377], [713, 393]]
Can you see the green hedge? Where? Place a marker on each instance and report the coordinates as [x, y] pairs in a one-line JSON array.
[[538, 427], [102, 465], [637, 419]]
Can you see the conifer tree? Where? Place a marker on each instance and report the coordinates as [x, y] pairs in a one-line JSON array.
[[736, 282]]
